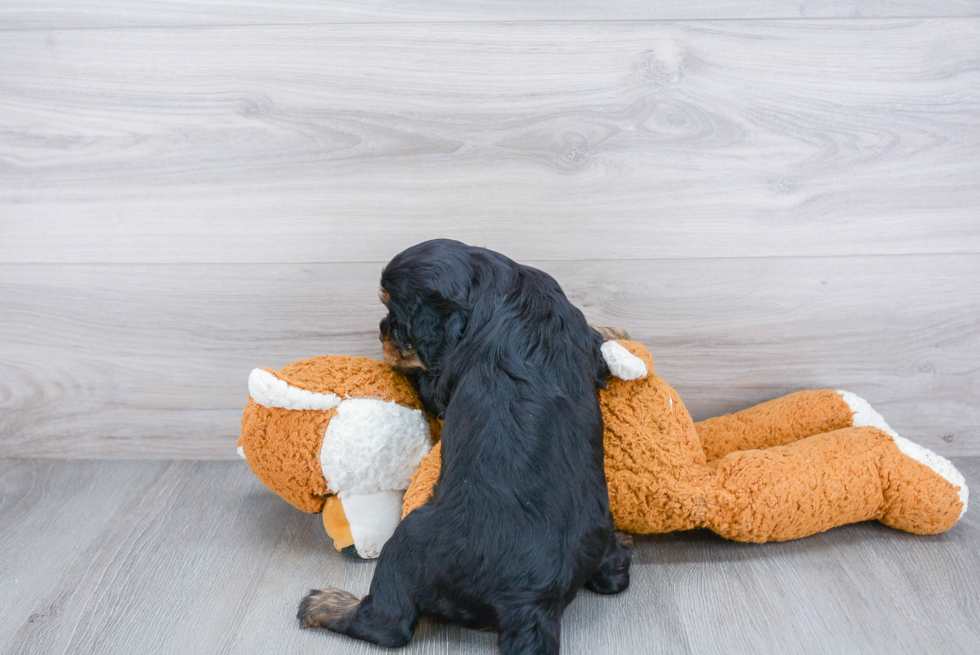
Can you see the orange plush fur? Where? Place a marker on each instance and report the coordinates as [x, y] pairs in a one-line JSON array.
[[785, 469]]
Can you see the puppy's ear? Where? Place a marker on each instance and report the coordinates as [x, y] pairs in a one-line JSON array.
[[602, 368], [436, 327]]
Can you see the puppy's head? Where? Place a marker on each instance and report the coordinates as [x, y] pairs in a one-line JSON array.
[[426, 290]]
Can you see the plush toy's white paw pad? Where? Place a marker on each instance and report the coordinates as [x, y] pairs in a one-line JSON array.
[[373, 518], [269, 391], [865, 415], [373, 445], [622, 363], [241, 452]]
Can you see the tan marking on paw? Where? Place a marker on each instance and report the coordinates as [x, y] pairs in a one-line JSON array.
[[325, 607]]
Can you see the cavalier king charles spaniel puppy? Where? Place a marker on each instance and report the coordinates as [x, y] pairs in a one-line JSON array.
[[519, 520]]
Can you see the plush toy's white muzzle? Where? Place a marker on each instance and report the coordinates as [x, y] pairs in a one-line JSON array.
[[370, 451]]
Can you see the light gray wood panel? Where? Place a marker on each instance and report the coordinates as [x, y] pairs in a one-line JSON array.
[[88, 353], [170, 573], [151, 361], [45, 14], [47, 511], [570, 140]]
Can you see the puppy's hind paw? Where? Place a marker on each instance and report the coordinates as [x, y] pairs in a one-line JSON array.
[[325, 608]]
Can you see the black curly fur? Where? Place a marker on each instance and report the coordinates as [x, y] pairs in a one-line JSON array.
[[519, 520]]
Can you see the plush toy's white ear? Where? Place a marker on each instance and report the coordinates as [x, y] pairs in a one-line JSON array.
[[269, 391], [622, 363]]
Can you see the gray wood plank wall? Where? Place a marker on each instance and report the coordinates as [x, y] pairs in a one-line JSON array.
[[44, 14], [190, 190]]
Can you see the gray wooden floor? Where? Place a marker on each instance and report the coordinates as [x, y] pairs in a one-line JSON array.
[[198, 557]]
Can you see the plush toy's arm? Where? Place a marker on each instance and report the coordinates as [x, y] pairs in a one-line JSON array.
[[774, 423], [424, 481]]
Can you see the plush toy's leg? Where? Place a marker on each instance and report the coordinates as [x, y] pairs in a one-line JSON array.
[[849, 475], [774, 423], [897, 517], [338, 527]]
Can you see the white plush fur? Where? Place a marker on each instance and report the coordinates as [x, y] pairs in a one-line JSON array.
[[865, 415], [622, 363], [241, 452], [373, 445], [372, 518], [269, 391]]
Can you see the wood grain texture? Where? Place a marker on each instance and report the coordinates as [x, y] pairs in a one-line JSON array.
[[151, 361], [577, 140], [46, 14], [202, 559], [48, 510]]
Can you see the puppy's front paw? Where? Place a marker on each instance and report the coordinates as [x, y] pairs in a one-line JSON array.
[[325, 608]]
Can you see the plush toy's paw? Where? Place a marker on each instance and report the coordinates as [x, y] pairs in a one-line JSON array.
[[924, 492]]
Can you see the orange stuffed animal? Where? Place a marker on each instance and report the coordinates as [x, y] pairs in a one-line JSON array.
[[785, 469], [344, 435]]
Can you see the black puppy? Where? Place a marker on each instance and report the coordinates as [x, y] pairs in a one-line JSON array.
[[519, 519]]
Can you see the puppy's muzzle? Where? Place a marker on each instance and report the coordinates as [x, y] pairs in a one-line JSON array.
[[399, 360]]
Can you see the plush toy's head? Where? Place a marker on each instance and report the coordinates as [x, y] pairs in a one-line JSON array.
[[338, 435]]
